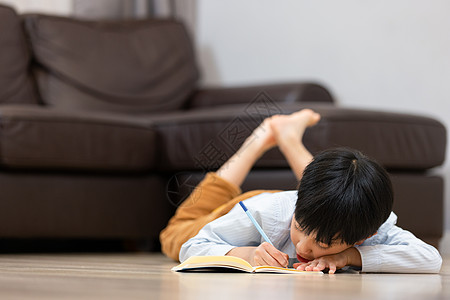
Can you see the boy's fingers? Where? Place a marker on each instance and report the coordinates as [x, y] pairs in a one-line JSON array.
[[263, 260], [332, 269], [281, 259], [270, 261], [260, 261], [312, 265], [263, 257], [320, 266]]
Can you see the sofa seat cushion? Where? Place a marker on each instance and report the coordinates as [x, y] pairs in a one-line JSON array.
[[204, 139], [16, 85], [43, 138], [135, 66]]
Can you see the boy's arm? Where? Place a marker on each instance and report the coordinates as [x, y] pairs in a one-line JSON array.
[[332, 262], [232, 231], [398, 251], [219, 237]]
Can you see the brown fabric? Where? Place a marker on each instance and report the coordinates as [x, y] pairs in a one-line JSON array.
[[268, 94], [16, 84], [136, 66], [34, 137], [202, 139], [211, 199]]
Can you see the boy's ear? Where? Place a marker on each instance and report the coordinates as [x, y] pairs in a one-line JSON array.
[[362, 241]]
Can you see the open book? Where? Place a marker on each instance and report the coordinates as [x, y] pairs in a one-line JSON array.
[[231, 263]]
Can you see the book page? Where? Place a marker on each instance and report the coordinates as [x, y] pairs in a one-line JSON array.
[[197, 262], [270, 269]]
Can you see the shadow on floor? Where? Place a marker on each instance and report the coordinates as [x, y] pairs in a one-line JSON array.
[[8, 246]]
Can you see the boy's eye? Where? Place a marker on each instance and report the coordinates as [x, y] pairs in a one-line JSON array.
[[323, 247]]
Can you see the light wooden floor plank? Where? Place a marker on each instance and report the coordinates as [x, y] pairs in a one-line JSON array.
[[148, 276]]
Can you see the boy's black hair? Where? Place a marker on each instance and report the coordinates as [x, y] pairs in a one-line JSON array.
[[343, 196]]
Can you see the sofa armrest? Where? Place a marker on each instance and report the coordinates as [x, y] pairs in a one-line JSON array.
[[283, 92]]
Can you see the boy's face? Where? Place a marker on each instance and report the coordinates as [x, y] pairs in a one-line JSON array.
[[308, 249]]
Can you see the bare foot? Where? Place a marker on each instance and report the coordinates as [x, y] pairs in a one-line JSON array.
[[236, 168], [262, 138], [288, 128]]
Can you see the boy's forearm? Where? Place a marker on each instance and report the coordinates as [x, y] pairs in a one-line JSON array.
[[353, 257], [246, 253], [412, 258]]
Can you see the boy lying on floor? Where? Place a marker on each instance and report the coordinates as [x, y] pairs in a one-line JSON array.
[[340, 216]]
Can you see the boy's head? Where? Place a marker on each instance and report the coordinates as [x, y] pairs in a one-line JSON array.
[[343, 198]]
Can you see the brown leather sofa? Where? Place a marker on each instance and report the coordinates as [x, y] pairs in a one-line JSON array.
[[104, 130]]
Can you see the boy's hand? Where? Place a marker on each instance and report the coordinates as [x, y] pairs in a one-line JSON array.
[[263, 255], [267, 255], [348, 257]]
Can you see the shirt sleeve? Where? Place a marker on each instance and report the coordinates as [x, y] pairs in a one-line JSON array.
[[229, 231], [398, 251]]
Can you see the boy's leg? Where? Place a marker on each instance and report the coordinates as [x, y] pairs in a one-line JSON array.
[[181, 229], [288, 132], [236, 169], [193, 213]]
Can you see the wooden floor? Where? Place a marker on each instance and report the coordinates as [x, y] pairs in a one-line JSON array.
[[148, 276]]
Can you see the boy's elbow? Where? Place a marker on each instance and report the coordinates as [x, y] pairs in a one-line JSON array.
[[437, 263], [190, 248], [434, 267], [183, 255], [434, 261]]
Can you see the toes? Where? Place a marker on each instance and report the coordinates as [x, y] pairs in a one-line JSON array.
[[310, 116], [314, 119]]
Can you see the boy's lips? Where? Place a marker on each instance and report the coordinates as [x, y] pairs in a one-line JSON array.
[[302, 259]]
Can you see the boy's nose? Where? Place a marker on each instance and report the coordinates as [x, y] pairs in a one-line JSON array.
[[303, 247]]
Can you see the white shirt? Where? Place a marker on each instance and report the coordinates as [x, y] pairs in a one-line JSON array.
[[392, 249]]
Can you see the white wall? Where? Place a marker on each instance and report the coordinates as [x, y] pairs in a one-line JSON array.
[[388, 55], [57, 7]]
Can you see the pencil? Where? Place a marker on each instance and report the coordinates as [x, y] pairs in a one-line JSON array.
[[261, 231]]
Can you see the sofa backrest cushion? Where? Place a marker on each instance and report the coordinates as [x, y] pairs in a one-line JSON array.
[[135, 66], [16, 85]]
